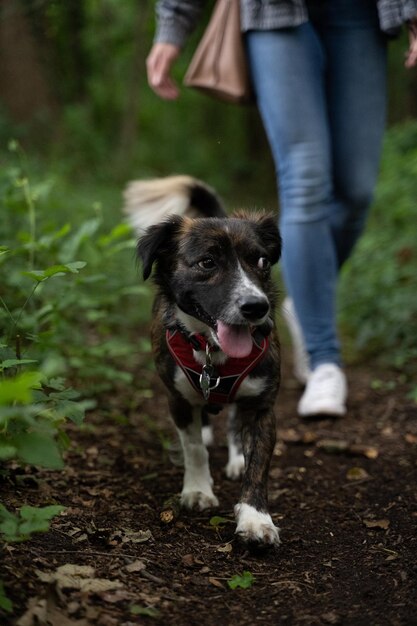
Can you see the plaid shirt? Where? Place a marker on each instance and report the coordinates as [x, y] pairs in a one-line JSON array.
[[177, 18]]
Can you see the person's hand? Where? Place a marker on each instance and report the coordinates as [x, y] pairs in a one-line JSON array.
[[411, 57], [158, 65]]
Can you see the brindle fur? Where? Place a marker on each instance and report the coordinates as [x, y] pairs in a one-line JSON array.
[[172, 249]]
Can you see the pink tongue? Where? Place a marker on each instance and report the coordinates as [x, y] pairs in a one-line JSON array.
[[235, 341]]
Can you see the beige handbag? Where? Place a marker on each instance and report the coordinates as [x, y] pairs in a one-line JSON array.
[[219, 65]]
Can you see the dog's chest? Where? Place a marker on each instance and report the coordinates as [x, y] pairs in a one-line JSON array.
[[251, 386], [203, 374]]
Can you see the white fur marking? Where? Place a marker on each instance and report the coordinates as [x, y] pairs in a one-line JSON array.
[[236, 463], [184, 387], [245, 286], [207, 436], [197, 488], [251, 386], [253, 525]]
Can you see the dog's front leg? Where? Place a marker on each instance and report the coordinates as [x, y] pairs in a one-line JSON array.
[[254, 523], [197, 488]]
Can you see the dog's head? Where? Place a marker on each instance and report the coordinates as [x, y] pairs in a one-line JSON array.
[[217, 272]]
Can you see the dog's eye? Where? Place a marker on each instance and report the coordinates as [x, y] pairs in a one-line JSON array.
[[207, 263], [263, 263]]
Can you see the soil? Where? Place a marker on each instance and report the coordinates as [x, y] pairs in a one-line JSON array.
[[343, 492]]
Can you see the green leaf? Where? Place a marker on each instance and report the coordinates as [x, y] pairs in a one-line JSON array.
[[65, 394], [217, 521], [38, 449], [6, 450], [55, 270], [244, 581], [5, 603], [28, 520], [19, 389], [74, 411], [71, 245], [15, 362], [36, 520], [57, 383], [136, 609]]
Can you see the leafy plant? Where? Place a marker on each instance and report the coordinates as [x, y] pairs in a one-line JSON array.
[[145, 611], [29, 520], [217, 521], [5, 603], [378, 305], [244, 580]]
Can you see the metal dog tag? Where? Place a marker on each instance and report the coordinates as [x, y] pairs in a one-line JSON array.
[[207, 374]]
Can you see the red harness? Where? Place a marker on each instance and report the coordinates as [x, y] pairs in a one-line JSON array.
[[229, 376]]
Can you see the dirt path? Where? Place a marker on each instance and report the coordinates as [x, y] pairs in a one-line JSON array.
[[344, 494]]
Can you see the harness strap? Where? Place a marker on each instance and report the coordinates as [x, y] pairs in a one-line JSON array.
[[227, 377]]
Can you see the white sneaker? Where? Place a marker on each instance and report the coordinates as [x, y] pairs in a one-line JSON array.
[[301, 361], [325, 393]]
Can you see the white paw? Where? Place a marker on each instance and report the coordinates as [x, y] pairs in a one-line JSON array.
[[255, 527], [199, 499], [235, 467], [207, 436]]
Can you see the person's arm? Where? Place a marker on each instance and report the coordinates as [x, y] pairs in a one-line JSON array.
[[411, 56], [176, 19]]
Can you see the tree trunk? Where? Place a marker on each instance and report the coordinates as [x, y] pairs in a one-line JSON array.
[[24, 88], [129, 123]]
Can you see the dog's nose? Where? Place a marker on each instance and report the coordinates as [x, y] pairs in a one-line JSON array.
[[253, 308]]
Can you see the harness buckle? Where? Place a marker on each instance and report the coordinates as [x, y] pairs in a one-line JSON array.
[[207, 374]]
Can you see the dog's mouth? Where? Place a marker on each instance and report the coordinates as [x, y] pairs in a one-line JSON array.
[[235, 340]]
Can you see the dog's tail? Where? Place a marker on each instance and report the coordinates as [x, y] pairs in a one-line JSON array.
[[148, 202]]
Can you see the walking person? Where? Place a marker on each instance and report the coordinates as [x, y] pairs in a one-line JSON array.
[[318, 69]]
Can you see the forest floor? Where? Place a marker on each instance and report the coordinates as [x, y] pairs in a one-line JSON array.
[[343, 492]]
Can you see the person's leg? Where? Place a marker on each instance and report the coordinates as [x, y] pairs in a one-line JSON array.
[[313, 90], [356, 62], [288, 71]]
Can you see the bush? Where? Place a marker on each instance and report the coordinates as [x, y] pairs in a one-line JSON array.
[[378, 303]]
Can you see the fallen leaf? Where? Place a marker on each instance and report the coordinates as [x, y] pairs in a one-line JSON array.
[[309, 436], [188, 560], [410, 438], [113, 597], [45, 611], [125, 535], [227, 548], [357, 473], [332, 446], [80, 577], [382, 524], [289, 435], [369, 452], [136, 566], [215, 582]]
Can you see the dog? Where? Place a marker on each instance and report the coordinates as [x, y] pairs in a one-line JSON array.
[[213, 334]]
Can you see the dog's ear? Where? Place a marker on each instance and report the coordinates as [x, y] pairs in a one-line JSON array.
[[267, 229], [158, 242]]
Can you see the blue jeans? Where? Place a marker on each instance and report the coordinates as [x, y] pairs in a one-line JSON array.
[[321, 92]]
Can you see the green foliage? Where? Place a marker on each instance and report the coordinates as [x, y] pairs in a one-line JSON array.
[[378, 303], [29, 520], [145, 611], [5, 604], [217, 521], [243, 581], [60, 317]]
